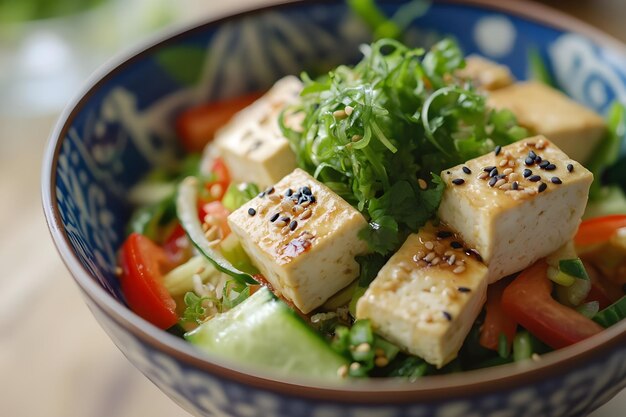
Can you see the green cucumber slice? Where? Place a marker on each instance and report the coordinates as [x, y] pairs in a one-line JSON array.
[[263, 331]]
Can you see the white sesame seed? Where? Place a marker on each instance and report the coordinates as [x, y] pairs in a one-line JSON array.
[[451, 260], [306, 214], [297, 209], [535, 357], [448, 253], [483, 175], [381, 361], [348, 110], [500, 182], [512, 163], [118, 271], [340, 114], [506, 186], [429, 257], [513, 176], [354, 366], [508, 154], [274, 197], [540, 144], [356, 138], [342, 372], [422, 184], [305, 203], [436, 260], [459, 269], [429, 245], [503, 163], [363, 347], [507, 171]]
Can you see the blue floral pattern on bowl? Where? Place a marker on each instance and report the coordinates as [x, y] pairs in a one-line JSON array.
[[124, 125]]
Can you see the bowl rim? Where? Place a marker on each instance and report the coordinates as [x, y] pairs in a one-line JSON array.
[[430, 389]]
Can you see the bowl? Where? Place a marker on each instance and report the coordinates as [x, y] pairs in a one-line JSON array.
[[122, 124]]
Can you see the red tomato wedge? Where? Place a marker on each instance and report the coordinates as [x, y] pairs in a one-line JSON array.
[[598, 229], [217, 188], [143, 263], [528, 300], [197, 126], [497, 321]]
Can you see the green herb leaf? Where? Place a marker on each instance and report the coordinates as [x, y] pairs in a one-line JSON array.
[[195, 311], [239, 194]]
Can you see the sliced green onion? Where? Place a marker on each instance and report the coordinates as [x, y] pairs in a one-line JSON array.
[[573, 268], [589, 309], [186, 203], [503, 346], [560, 278], [522, 346], [612, 314]]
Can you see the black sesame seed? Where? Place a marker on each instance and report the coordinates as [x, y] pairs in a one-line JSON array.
[[262, 194], [556, 180], [285, 219], [550, 167], [527, 173], [447, 315], [493, 181], [488, 169], [529, 161], [456, 245], [500, 176], [458, 181], [464, 289], [515, 185], [532, 154], [476, 254], [467, 170], [537, 159], [251, 211], [293, 225], [497, 150], [312, 199], [448, 172], [289, 192], [269, 191], [534, 178], [544, 163], [570, 167], [444, 234], [493, 172], [274, 217], [305, 190], [542, 187]]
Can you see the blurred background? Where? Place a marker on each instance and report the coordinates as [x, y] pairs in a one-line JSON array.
[[55, 361]]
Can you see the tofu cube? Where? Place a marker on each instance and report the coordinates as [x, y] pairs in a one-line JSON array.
[[427, 296], [303, 239], [546, 111], [518, 206], [252, 144], [485, 74]]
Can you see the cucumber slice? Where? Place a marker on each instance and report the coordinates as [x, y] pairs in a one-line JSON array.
[[263, 331]]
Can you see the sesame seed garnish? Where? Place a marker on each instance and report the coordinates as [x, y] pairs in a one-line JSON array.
[[422, 184], [348, 110], [289, 192], [488, 169], [512, 163], [492, 181], [532, 154], [550, 167], [503, 163], [544, 163], [251, 211], [467, 170], [429, 257], [447, 315], [342, 372], [464, 289], [274, 217], [527, 173], [513, 176], [493, 172], [458, 181], [435, 260], [507, 171], [500, 182], [451, 260], [340, 114], [443, 234], [429, 245], [538, 159], [459, 269], [535, 357], [456, 245], [261, 194], [556, 180], [269, 191], [515, 185], [529, 161], [354, 366], [497, 150], [275, 198], [363, 347], [534, 178], [542, 187], [293, 225], [305, 190], [483, 175], [570, 167], [381, 361], [306, 214]]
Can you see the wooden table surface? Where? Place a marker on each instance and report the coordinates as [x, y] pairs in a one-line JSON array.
[[55, 361]]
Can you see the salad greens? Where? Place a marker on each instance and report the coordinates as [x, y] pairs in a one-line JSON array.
[[379, 132]]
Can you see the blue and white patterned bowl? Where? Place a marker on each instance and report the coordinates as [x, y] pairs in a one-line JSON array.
[[122, 125]]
